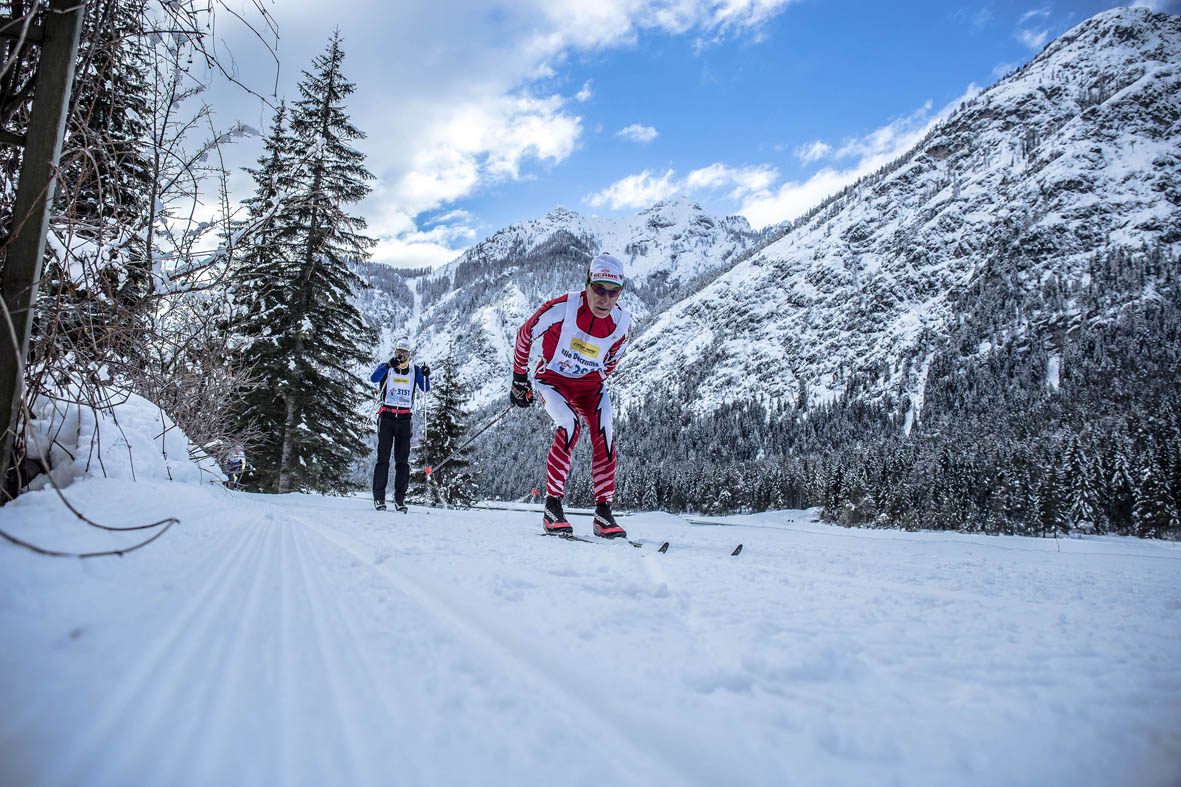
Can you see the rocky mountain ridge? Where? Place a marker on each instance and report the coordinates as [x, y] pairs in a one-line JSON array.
[[1074, 154], [477, 302]]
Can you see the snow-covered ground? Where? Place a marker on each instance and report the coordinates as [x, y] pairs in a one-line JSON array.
[[300, 640]]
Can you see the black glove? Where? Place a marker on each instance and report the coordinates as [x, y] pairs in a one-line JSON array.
[[390, 363], [426, 370], [521, 393]]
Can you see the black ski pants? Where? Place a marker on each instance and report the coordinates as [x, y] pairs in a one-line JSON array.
[[392, 431]]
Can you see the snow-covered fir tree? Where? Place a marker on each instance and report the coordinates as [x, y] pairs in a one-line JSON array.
[[304, 335], [443, 432], [261, 292]]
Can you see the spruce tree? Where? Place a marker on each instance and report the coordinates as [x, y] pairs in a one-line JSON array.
[[443, 432], [1054, 520], [305, 336], [1121, 486], [262, 294], [106, 187], [1082, 496], [1155, 513]]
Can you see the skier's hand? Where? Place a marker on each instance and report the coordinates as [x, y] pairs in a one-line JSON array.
[[426, 370], [521, 393], [390, 363]]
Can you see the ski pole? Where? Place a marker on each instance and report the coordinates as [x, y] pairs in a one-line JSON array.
[[485, 428]]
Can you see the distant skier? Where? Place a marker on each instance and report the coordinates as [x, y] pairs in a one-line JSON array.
[[583, 334], [399, 383], [234, 467]]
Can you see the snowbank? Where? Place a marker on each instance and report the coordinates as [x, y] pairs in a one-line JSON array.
[[125, 437]]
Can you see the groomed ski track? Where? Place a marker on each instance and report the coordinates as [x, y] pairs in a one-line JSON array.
[[304, 640]]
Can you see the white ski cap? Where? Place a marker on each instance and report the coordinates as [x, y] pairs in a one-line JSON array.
[[606, 269], [402, 344]]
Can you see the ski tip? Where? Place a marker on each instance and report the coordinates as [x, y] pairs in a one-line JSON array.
[[663, 547], [426, 470], [737, 550]]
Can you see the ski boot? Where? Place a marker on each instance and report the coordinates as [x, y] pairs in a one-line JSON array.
[[605, 525], [401, 506], [379, 505], [554, 518]]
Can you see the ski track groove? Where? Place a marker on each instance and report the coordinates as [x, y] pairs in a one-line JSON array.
[[161, 672], [519, 658], [285, 676], [408, 768], [220, 661], [331, 660], [198, 662], [199, 571], [251, 619]]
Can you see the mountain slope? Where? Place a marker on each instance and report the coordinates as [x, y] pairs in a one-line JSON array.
[[479, 300], [1073, 154]]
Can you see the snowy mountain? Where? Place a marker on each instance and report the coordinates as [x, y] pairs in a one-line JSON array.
[[673, 239], [480, 299], [1010, 286], [1074, 154]]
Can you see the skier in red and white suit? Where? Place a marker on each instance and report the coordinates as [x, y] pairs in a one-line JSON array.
[[582, 335]]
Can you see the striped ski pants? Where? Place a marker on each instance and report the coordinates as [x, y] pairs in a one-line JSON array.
[[570, 402]]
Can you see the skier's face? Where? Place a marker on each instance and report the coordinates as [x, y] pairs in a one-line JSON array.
[[601, 298]]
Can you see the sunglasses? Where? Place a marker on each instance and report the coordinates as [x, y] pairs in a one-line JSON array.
[[603, 291]]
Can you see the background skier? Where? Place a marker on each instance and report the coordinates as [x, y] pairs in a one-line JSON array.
[[583, 334], [399, 384], [234, 466]]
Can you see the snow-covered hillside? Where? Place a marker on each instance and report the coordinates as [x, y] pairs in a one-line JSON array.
[[481, 298], [1074, 153], [674, 237], [1070, 156]]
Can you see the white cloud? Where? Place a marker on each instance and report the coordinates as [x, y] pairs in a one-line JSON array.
[[404, 245], [483, 144], [638, 133], [449, 216], [1033, 40], [737, 14], [639, 191], [871, 152], [741, 182], [1002, 69], [794, 198], [1034, 13], [635, 191], [457, 97], [1028, 34], [813, 151], [890, 139]]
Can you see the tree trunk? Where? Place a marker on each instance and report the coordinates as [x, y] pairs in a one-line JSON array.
[[288, 447]]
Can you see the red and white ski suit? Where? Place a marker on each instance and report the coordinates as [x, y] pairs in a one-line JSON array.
[[578, 352]]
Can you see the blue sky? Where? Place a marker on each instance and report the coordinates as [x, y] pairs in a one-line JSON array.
[[480, 114]]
